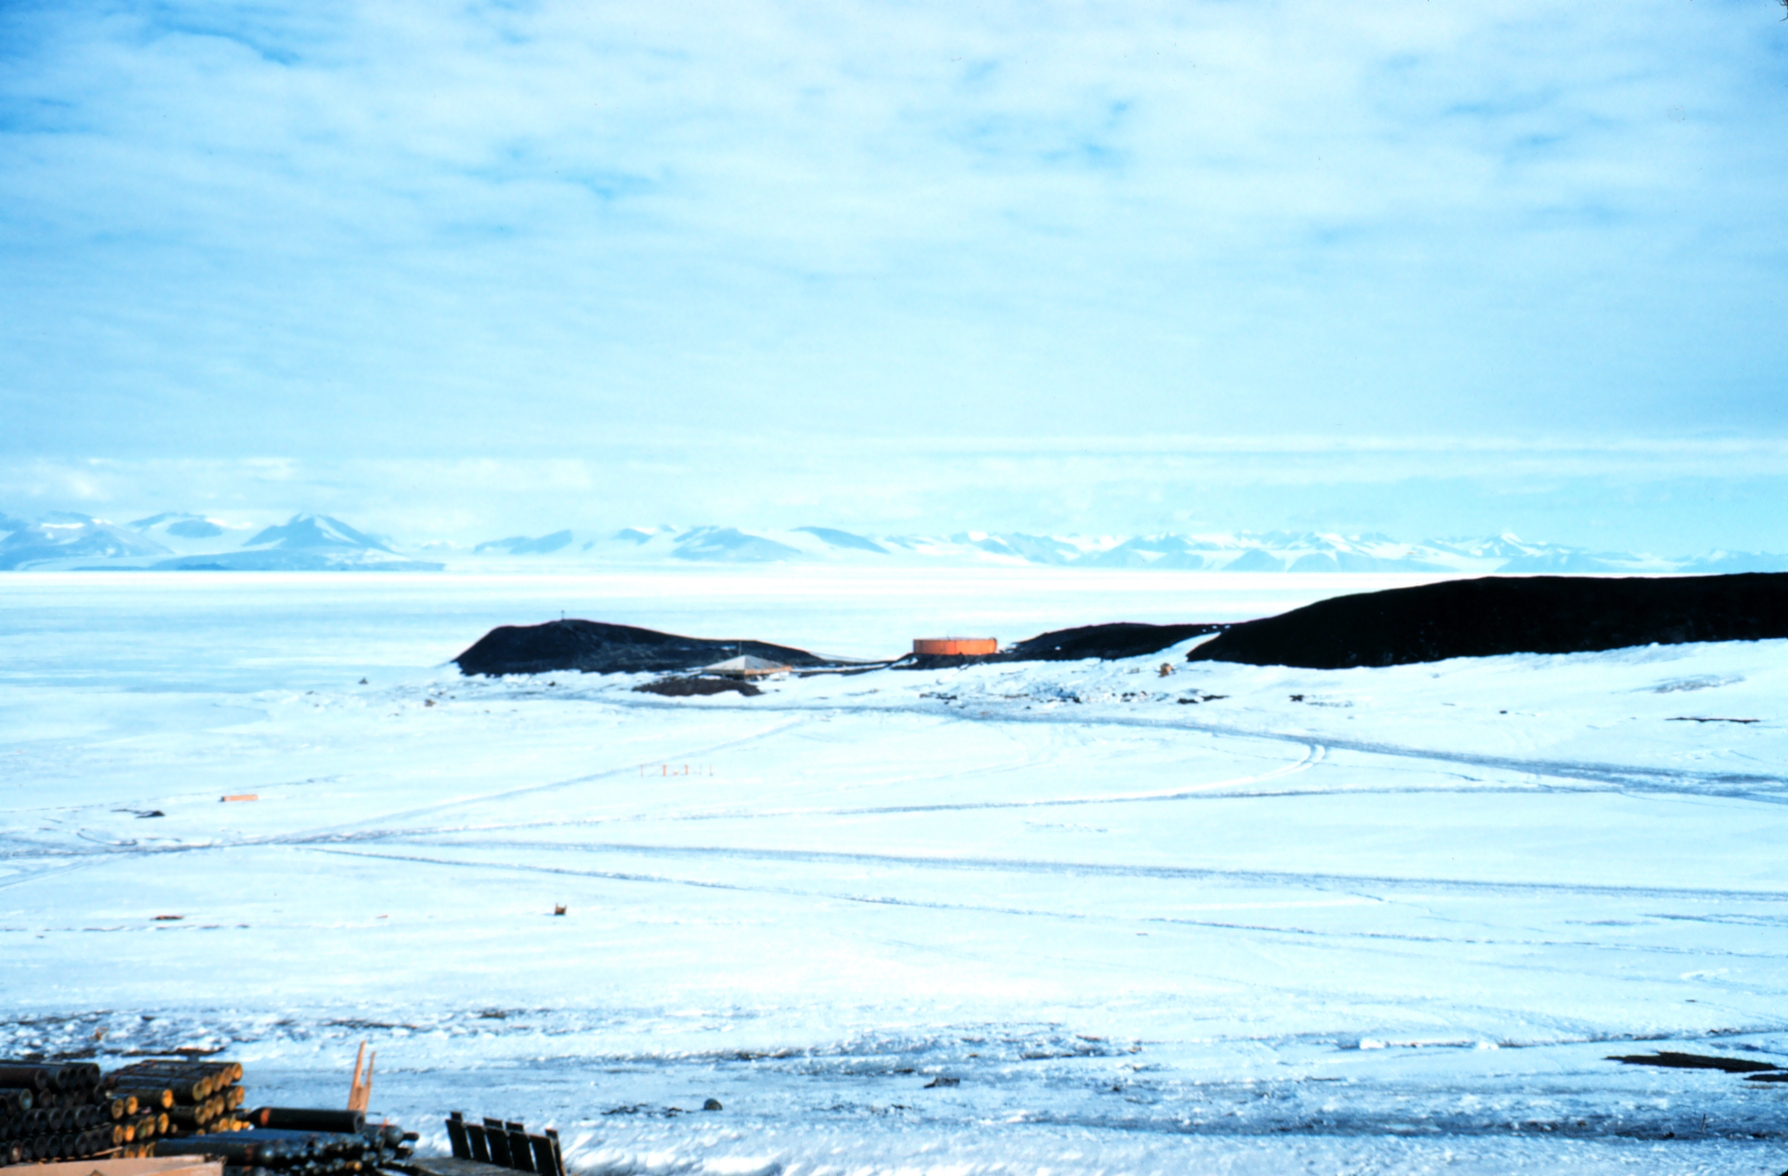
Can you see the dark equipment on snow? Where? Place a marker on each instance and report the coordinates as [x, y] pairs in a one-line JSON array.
[[506, 1144]]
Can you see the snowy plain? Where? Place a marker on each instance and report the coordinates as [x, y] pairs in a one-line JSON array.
[[1062, 917]]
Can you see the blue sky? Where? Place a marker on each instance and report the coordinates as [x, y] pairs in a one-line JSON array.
[[1410, 266]]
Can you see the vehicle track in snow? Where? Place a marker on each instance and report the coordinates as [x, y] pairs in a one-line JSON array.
[[1607, 776], [1391, 947], [1314, 753], [1759, 786], [38, 847], [509, 794], [1308, 880], [382, 824], [1631, 777]]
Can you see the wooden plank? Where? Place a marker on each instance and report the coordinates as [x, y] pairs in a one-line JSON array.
[[456, 1136], [447, 1166], [145, 1166]]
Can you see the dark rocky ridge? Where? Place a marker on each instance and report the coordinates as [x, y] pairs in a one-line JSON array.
[[696, 687], [595, 647], [1688, 1061], [1499, 615], [1116, 640]]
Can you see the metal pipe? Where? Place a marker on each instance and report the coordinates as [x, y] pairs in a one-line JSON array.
[[236, 1149], [147, 1095], [309, 1119], [25, 1075]]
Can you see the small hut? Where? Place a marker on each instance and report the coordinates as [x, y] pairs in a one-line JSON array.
[[957, 646], [745, 668]]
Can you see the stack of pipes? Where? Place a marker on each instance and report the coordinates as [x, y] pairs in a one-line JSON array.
[[311, 1141], [179, 1097], [57, 1112], [178, 1107]]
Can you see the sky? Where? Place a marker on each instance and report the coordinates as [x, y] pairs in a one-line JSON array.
[[1411, 267]]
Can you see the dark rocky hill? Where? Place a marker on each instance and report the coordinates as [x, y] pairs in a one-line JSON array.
[[594, 647], [1498, 615], [1116, 640]]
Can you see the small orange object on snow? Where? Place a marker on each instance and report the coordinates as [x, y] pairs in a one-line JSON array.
[[240, 796]]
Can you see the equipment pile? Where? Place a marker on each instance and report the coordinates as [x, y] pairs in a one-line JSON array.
[[292, 1139], [179, 1107], [57, 1113], [178, 1098], [505, 1144]]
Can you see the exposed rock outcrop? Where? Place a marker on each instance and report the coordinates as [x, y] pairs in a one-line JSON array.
[[1500, 615]]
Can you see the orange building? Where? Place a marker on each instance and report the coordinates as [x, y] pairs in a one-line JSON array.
[[972, 646]]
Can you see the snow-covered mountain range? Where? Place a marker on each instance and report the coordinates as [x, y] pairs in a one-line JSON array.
[[174, 541], [306, 542]]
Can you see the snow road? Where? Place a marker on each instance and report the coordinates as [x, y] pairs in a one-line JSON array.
[[1066, 917]]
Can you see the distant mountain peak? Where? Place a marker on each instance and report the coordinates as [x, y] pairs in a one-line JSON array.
[[523, 545], [308, 540], [836, 538], [180, 524], [65, 536], [730, 545], [311, 532]]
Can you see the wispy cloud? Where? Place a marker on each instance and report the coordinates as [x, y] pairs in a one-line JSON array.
[[337, 232]]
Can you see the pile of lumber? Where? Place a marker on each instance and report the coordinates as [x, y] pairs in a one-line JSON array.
[[57, 1112], [176, 1097]]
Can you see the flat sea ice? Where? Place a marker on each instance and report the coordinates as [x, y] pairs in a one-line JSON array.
[[1064, 917]]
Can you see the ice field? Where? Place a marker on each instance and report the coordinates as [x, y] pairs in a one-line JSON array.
[[1053, 917]]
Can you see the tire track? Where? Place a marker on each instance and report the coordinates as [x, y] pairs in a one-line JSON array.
[[1624, 775], [1308, 880], [1636, 778], [531, 789], [1401, 945], [1314, 754]]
